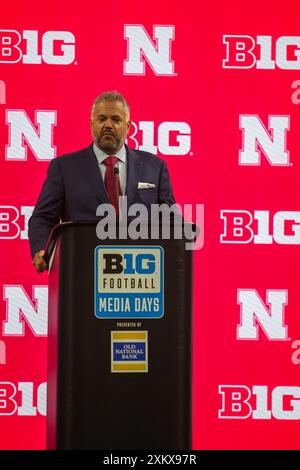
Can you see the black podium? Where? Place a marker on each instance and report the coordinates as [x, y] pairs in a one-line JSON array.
[[119, 341]]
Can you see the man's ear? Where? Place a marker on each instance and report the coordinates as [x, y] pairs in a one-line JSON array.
[[128, 125]]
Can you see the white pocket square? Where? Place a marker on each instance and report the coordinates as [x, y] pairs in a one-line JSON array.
[[146, 185]]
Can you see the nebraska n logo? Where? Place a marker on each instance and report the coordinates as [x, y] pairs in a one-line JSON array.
[[254, 314], [141, 48]]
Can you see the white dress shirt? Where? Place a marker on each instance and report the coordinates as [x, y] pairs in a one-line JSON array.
[[121, 164]]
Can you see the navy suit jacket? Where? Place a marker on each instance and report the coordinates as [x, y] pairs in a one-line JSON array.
[[74, 188]]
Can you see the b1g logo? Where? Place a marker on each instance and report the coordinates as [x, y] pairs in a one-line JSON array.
[[54, 47], [262, 52], [14, 222], [258, 402], [23, 398], [129, 282], [166, 138], [261, 227]]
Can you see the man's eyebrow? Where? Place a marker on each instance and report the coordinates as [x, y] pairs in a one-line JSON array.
[[113, 116]]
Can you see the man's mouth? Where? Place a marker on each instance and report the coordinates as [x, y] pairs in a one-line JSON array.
[[108, 134]]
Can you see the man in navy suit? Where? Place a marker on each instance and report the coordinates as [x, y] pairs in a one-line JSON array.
[[74, 186]]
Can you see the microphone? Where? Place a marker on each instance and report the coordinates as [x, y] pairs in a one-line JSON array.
[[116, 173]]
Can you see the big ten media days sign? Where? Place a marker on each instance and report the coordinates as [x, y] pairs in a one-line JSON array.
[[129, 282]]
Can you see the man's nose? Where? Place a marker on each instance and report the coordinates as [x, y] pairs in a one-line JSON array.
[[108, 123]]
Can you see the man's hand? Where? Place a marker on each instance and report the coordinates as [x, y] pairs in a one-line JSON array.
[[39, 262]]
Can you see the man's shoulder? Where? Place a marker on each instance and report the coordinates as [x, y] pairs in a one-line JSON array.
[[71, 157], [145, 156]]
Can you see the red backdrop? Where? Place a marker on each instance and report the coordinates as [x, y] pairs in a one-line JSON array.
[[213, 89]]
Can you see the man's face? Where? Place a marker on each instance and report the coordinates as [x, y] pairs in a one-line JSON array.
[[110, 123]]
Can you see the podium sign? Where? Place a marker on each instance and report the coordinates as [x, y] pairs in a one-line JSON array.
[[129, 282], [119, 342]]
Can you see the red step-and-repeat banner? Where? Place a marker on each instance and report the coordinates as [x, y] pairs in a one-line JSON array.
[[214, 89]]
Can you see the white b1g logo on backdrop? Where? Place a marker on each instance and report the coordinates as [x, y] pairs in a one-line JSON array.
[[154, 138], [260, 227], [23, 399], [14, 222], [258, 402], [11, 53], [245, 52]]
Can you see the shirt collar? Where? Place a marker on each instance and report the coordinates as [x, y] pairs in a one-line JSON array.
[[101, 156]]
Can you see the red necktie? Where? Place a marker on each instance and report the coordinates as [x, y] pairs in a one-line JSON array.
[[112, 181]]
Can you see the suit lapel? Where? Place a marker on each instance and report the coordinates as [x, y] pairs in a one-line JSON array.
[[133, 173], [91, 169]]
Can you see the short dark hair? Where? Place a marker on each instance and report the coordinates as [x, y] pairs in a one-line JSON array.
[[111, 96]]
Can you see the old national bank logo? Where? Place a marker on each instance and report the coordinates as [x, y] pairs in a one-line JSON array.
[[129, 282], [129, 351]]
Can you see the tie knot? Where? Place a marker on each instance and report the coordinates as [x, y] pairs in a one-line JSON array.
[[110, 161]]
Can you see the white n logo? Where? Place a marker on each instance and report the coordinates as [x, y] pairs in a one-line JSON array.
[[254, 312], [140, 47], [256, 138], [19, 307], [40, 140]]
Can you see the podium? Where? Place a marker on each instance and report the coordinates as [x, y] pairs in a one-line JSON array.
[[119, 351]]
